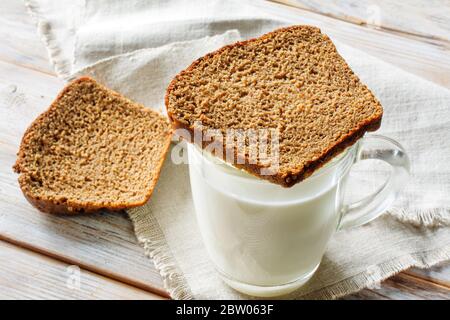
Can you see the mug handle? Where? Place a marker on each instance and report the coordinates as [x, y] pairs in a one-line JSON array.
[[385, 149]]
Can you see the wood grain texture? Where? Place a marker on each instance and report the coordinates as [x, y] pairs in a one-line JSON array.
[[428, 19], [104, 244], [439, 274], [20, 43], [412, 284], [406, 287], [426, 57], [415, 283], [28, 275]]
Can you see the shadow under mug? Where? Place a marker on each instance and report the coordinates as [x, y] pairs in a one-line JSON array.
[[266, 240]]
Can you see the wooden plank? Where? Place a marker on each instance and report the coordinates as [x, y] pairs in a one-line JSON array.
[[399, 288], [439, 274], [20, 43], [28, 275], [428, 19], [416, 284], [429, 59], [404, 286], [103, 243]]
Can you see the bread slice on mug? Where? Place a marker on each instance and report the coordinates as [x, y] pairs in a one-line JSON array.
[[92, 149], [291, 80]]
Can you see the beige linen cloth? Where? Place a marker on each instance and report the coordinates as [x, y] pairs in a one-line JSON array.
[[415, 232]]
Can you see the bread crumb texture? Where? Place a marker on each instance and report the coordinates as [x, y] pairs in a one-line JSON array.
[[92, 149], [293, 80]]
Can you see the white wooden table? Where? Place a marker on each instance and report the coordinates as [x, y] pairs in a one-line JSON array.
[[41, 255]]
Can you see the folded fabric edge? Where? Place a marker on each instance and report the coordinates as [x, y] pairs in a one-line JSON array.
[[152, 239], [61, 66], [232, 33], [428, 218]]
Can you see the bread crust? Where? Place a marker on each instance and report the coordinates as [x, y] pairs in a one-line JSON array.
[[285, 179], [64, 206]]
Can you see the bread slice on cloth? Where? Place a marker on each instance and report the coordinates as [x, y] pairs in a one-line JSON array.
[[92, 149], [291, 80]]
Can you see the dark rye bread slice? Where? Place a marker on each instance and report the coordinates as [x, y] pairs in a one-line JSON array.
[[292, 80], [92, 149]]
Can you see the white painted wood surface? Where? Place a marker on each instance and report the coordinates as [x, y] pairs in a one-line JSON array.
[[104, 245], [403, 287], [427, 57], [19, 41], [429, 19], [28, 275]]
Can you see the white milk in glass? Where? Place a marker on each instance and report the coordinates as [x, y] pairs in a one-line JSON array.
[[261, 234]]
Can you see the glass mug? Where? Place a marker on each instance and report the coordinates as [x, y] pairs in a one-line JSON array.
[[266, 240]]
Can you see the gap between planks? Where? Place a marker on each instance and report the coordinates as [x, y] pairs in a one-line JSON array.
[[37, 249], [113, 276], [25, 274], [87, 267], [359, 22], [93, 268], [406, 274], [437, 42], [27, 66], [419, 277], [102, 244]]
